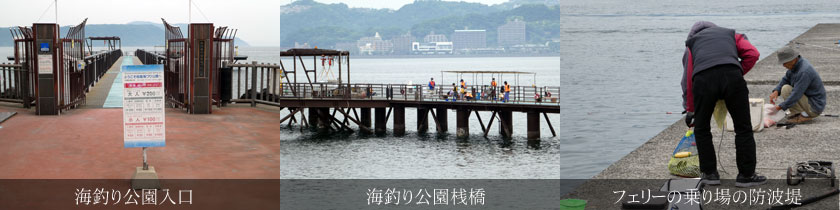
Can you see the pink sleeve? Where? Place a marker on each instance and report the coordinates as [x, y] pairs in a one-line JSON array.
[[687, 81], [747, 52]]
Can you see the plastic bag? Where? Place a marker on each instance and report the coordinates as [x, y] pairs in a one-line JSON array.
[[685, 166], [771, 118]]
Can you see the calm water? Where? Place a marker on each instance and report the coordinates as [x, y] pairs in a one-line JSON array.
[[621, 66]]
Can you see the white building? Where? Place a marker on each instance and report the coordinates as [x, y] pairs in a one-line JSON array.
[[431, 48]]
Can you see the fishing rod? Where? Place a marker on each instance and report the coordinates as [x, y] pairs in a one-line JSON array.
[[639, 113]]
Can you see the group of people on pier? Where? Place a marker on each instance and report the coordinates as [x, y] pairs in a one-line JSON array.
[[461, 91]]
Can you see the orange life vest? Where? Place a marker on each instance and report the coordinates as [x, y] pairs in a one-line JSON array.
[[507, 88]]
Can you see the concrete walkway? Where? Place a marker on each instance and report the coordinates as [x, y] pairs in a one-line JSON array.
[[99, 94], [236, 142], [777, 148]]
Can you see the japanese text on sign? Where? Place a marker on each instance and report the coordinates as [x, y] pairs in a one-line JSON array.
[[144, 118]]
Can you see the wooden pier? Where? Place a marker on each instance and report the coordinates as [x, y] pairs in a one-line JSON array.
[[334, 106]]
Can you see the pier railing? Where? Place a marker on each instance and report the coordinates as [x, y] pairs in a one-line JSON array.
[[82, 75], [15, 84], [261, 83], [264, 84], [254, 83], [96, 65], [149, 57], [541, 95]]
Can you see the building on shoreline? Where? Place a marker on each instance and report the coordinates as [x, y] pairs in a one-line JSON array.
[[512, 33], [431, 48], [432, 37], [402, 44], [469, 39], [374, 45]]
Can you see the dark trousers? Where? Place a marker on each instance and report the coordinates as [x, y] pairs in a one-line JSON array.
[[723, 82]]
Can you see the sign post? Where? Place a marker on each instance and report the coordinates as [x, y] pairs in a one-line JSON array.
[[46, 81], [144, 117]]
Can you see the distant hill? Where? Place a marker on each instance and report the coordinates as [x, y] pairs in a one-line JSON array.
[[132, 34], [516, 3], [307, 21]]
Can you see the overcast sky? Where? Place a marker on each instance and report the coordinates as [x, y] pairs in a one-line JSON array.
[[257, 20]]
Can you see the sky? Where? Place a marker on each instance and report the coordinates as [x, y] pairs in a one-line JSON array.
[[258, 21]]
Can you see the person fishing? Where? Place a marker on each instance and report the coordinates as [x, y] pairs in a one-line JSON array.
[[801, 87], [712, 71], [507, 92], [493, 88], [455, 91], [463, 90]]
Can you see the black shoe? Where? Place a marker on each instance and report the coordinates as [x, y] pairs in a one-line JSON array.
[[750, 181], [710, 178]]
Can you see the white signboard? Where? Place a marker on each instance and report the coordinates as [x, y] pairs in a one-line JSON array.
[[144, 118], [45, 64]]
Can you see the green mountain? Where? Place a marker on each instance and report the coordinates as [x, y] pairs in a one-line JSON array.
[[511, 4], [542, 23], [142, 34], [307, 21]]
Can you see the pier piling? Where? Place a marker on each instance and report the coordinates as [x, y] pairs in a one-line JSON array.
[[365, 112], [442, 119], [506, 123], [324, 119], [399, 121], [422, 119], [379, 120], [462, 123], [534, 129], [313, 116]]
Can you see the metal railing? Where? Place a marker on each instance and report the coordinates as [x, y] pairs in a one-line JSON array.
[[97, 65], [256, 83], [264, 83], [149, 57], [15, 84], [72, 83], [81, 78], [544, 95]]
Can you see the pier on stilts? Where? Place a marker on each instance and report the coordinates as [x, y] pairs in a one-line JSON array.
[[333, 104]]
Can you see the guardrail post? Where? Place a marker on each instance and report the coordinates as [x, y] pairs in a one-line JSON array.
[[254, 84], [420, 90], [25, 87]]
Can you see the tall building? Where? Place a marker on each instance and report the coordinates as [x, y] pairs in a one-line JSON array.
[[469, 39], [374, 45], [432, 37], [512, 33], [402, 44]]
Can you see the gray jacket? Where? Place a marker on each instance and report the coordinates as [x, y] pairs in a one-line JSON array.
[[805, 81]]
